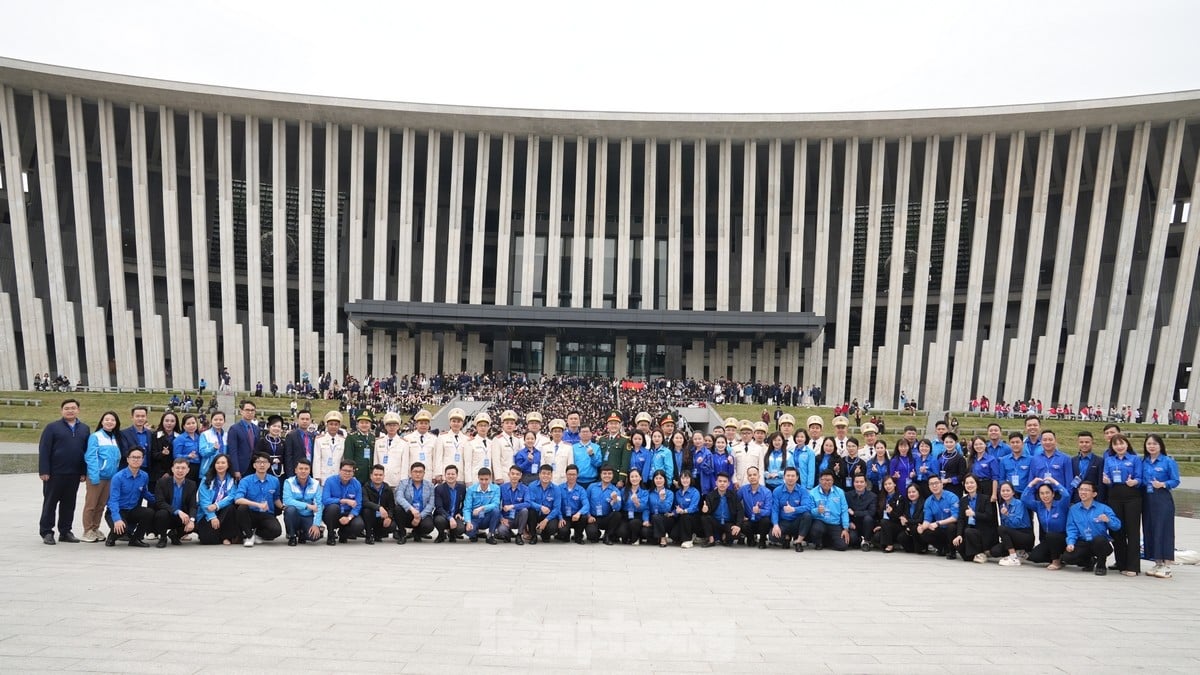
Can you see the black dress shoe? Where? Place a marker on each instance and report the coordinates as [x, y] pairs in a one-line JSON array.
[[68, 538], [331, 540], [370, 540], [608, 542], [400, 539], [762, 543], [1087, 568], [161, 543], [491, 540], [293, 540], [48, 539], [951, 555], [708, 544], [1101, 570], [136, 542], [176, 540], [533, 539], [799, 548], [520, 540], [110, 540]]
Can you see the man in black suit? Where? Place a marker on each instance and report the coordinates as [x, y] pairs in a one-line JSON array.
[[298, 444], [448, 498], [174, 504]]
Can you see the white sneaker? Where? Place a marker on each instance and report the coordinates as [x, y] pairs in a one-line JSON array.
[[249, 543], [433, 535], [637, 542], [686, 544], [89, 537], [257, 539], [980, 558], [1010, 561]]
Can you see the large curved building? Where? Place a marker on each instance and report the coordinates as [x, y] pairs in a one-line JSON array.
[[152, 232]]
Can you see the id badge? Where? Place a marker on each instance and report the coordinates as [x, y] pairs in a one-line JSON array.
[[385, 459], [366, 453]]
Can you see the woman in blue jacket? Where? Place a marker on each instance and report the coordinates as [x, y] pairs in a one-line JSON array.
[[636, 502], [187, 446], [687, 512], [640, 456], [804, 459], [1160, 475], [776, 461], [720, 461], [901, 526], [1123, 476], [661, 458], [902, 466], [103, 459], [214, 504], [878, 467], [1050, 502], [662, 506], [925, 465], [1016, 528]]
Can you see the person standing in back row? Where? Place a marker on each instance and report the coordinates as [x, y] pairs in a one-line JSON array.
[[61, 468]]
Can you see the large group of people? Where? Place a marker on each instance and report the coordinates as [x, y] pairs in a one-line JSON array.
[[1017, 499]]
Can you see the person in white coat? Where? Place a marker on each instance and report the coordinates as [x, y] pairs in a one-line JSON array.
[[391, 450], [328, 448]]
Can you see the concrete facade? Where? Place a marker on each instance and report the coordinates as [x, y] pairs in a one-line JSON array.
[[1044, 251]]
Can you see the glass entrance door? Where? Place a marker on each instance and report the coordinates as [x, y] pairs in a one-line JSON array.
[[586, 359]]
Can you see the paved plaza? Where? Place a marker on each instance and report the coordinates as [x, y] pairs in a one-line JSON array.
[[563, 607]]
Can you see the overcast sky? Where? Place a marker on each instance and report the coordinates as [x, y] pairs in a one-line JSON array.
[[634, 56]]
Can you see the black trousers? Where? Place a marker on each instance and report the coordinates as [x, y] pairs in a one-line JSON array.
[[332, 516], [536, 517], [686, 525], [753, 529], [608, 524], [573, 528], [516, 525], [167, 521], [1019, 540], [139, 521], [631, 529], [863, 526], [976, 540], [265, 525], [891, 532], [715, 530], [662, 524], [228, 529], [1050, 548], [823, 534], [442, 523], [373, 524], [1126, 502], [796, 528], [58, 498], [1088, 553], [939, 538], [404, 521]]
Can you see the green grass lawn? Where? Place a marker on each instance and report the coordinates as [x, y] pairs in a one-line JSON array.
[[92, 405]]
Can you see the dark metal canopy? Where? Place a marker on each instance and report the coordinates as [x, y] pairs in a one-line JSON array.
[[512, 322]]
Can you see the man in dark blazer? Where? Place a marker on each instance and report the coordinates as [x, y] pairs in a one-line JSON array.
[[174, 504], [242, 438], [448, 498], [298, 444]]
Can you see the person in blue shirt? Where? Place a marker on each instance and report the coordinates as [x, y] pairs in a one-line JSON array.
[[1016, 528], [187, 446], [481, 508], [1088, 525], [791, 512], [702, 456], [925, 465], [1051, 462], [640, 457], [215, 510], [776, 461], [258, 499], [529, 458], [878, 467], [976, 524], [687, 511], [987, 468], [302, 505], [1016, 465], [544, 506], [996, 446], [831, 520], [175, 504], [661, 457], [574, 510], [1123, 476], [514, 507], [1050, 503], [414, 505], [604, 501], [635, 527], [587, 457], [903, 466], [721, 513], [662, 507], [941, 514], [805, 460], [1033, 436], [1160, 475], [938, 444], [342, 497], [571, 433], [721, 461], [103, 460], [130, 487], [756, 510]]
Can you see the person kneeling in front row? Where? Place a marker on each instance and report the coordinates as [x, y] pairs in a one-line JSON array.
[[449, 498], [257, 499], [1088, 526], [342, 497], [481, 509], [379, 503], [302, 505], [414, 505], [175, 504], [128, 488], [831, 520]]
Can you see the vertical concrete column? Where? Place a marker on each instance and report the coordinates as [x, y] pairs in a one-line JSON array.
[[1108, 341], [963, 378], [406, 354], [724, 223], [649, 225], [1021, 344], [10, 374], [772, 250], [886, 392], [814, 355], [230, 331], [795, 270], [694, 361], [334, 347], [554, 243], [1171, 337], [550, 355], [122, 321], [912, 355], [579, 240], [718, 360], [95, 329], [452, 353], [504, 236], [621, 358], [153, 358], [835, 385], [62, 310], [404, 266], [750, 255], [356, 260], [529, 238], [742, 359], [479, 220], [428, 353], [475, 353], [863, 353], [284, 367], [699, 225], [764, 361], [674, 232], [182, 372], [309, 339], [599, 223], [379, 270], [205, 324], [937, 373], [430, 254], [1137, 350], [624, 226], [454, 233], [258, 350]]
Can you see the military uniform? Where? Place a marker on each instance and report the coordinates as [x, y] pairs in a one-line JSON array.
[[360, 449], [615, 450]]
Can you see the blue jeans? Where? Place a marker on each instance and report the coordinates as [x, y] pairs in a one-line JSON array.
[[297, 522], [487, 521]]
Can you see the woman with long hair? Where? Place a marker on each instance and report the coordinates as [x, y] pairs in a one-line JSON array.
[[636, 501], [986, 467], [777, 460], [976, 523], [662, 506], [161, 447], [214, 504], [878, 466], [1160, 475], [187, 446], [804, 460], [902, 466], [103, 460], [1123, 476]]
